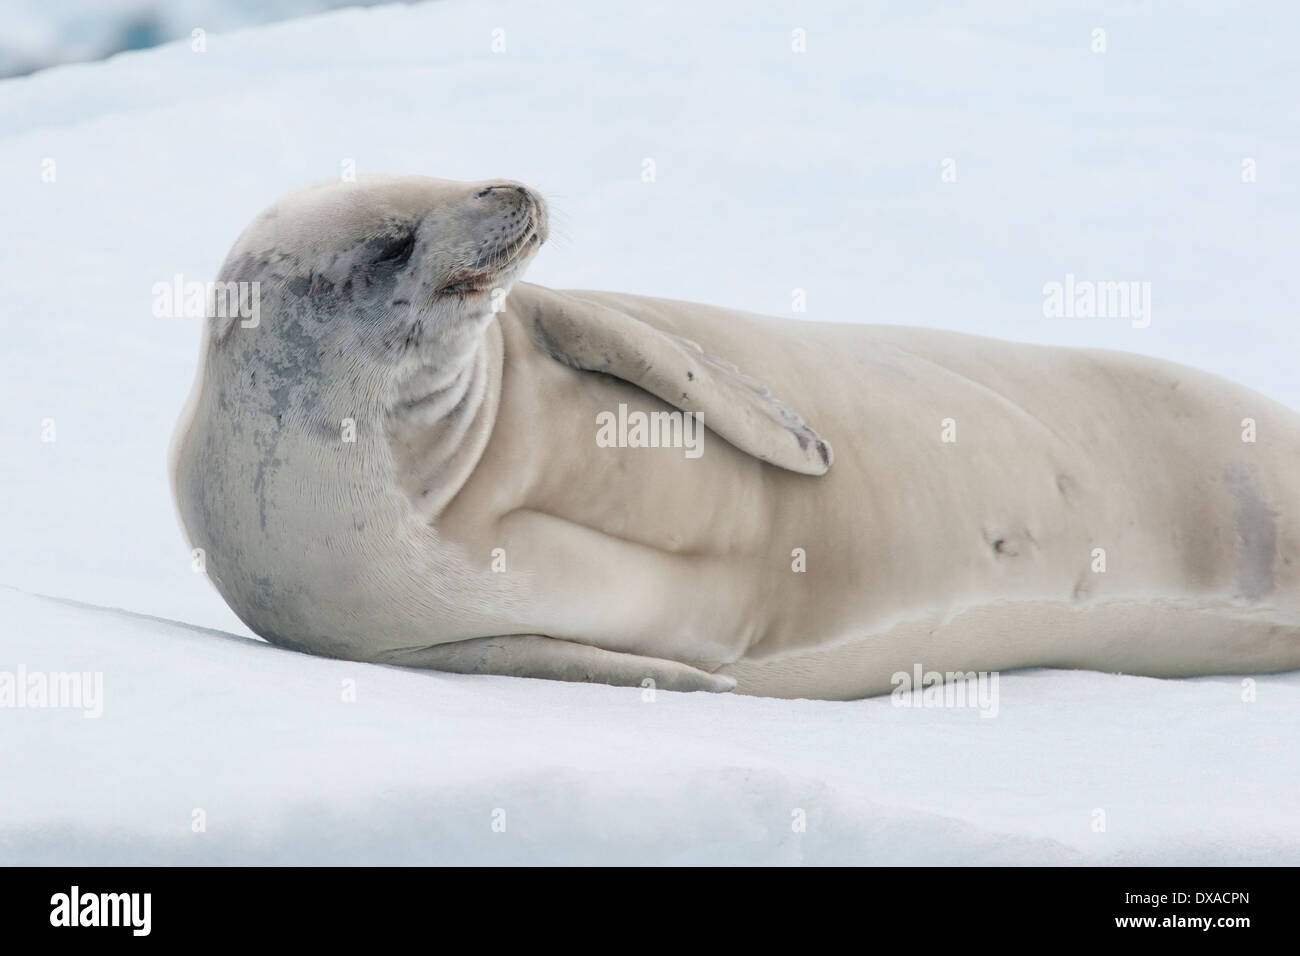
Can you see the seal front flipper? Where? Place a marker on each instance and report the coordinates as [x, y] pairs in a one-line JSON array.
[[596, 338], [532, 655]]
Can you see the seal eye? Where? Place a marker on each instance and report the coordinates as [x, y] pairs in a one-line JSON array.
[[394, 251]]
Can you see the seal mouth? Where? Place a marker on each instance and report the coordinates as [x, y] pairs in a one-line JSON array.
[[483, 275]]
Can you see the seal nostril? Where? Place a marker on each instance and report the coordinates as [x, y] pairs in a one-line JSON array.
[[488, 190]]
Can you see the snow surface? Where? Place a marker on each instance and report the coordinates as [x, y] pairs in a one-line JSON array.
[[775, 171]]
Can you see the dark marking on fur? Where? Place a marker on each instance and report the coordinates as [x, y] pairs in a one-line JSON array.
[[1002, 545], [1255, 524]]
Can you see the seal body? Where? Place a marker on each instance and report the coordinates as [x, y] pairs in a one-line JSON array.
[[989, 505]]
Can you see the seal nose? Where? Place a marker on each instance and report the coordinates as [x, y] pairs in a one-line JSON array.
[[523, 191], [523, 198]]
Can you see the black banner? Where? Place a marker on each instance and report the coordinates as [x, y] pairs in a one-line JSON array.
[[333, 905]]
